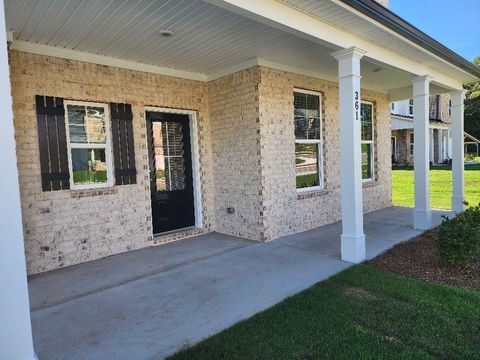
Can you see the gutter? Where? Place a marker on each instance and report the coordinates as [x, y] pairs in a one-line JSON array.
[[394, 22]]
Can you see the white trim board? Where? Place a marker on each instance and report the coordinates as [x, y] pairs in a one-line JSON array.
[[272, 65], [47, 50], [281, 16], [194, 144], [64, 53]]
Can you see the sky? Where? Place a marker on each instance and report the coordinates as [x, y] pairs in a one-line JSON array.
[[454, 23]]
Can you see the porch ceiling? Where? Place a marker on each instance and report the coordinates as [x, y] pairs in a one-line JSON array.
[[208, 41]]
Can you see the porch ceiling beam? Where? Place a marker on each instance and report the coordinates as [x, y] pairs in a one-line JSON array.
[[70, 54], [401, 93], [286, 18], [406, 92]]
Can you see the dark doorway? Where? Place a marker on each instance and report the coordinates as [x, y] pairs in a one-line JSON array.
[[171, 182]]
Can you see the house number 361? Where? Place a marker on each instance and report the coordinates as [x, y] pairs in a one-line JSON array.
[[356, 105]]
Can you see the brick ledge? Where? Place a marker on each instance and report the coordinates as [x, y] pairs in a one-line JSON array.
[[77, 194]]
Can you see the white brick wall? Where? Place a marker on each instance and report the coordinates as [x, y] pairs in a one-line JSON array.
[[246, 151], [235, 142], [60, 228], [287, 212]]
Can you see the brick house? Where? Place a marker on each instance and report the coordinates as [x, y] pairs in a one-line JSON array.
[[440, 137], [241, 117]]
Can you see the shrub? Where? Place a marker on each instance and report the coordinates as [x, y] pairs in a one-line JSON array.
[[469, 157], [458, 239]]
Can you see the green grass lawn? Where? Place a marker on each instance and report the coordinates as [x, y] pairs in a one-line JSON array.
[[87, 177], [361, 313], [440, 186], [308, 180]]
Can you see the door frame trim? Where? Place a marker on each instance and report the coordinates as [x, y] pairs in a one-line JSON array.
[[193, 124]]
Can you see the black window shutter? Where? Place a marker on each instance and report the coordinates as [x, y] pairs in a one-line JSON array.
[[123, 147], [52, 142]]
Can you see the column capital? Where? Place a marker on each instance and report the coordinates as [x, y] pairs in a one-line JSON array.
[[422, 79], [352, 52], [421, 85], [458, 97]]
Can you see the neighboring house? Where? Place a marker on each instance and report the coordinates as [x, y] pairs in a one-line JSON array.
[[266, 129], [439, 135], [471, 145]]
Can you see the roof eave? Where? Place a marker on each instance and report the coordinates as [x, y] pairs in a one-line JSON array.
[[379, 13]]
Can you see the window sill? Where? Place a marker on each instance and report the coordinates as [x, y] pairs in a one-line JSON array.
[[371, 183], [77, 194], [307, 194]]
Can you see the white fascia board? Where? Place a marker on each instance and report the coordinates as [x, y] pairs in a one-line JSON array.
[[286, 18], [54, 51], [398, 36]]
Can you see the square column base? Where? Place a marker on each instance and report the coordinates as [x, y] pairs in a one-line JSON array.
[[422, 219], [353, 248], [458, 204]]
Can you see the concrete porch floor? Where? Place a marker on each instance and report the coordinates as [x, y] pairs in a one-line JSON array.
[[149, 303]]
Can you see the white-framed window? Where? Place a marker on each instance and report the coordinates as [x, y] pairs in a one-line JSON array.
[[450, 107], [393, 140], [410, 107], [393, 106], [308, 140], [88, 144], [367, 141], [412, 138]]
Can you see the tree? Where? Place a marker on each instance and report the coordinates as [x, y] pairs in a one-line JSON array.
[[472, 106]]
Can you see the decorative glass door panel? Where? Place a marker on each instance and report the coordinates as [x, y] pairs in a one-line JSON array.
[[170, 171]]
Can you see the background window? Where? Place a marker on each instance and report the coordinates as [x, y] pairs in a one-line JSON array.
[[308, 140], [410, 106], [367, 140], [88, 145], [411, 143]]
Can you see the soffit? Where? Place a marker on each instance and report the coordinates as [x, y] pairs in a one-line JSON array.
[[207, 39]]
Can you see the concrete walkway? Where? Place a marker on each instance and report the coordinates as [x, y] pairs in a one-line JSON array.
[[149, 303]]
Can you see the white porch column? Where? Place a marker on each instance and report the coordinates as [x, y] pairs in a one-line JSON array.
[[458, 196], [15, 329], [431, 145], [445, 144], [353, 238], [449, 144], [440, 145], [422, 216]]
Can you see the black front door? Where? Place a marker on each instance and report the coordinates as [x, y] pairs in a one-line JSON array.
[[171, 181]]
